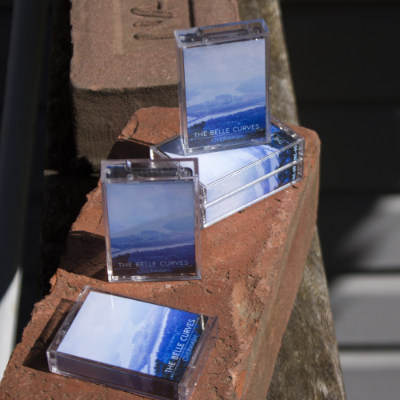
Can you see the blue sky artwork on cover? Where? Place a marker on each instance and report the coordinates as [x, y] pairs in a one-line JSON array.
[[152, 227], [225, 92], [142, 337]]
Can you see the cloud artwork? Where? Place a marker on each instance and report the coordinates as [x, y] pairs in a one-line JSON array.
[[152, 227], [225, 88], [138, 336]]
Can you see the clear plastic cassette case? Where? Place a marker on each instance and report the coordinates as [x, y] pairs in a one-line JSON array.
[[152, 219], [132, 345], [224, 95], [223, 173], [251, 194]]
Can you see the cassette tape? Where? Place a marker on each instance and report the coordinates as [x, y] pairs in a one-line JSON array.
[[152, 219], [132, 345], [225, 172], [224, 94], [251, 194]]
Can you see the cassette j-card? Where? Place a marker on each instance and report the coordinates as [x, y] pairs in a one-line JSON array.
[[128, 344], [224, 86], [152, 221], [225, 172]]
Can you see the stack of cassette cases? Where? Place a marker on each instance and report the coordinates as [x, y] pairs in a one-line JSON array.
[[132, 345], [224, 95], [231, 180], [152, 219]]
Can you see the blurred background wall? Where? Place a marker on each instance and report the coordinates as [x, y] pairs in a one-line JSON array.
[[345, 63], [23, 92]]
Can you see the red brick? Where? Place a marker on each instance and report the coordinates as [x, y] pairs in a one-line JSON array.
[[252, 264]]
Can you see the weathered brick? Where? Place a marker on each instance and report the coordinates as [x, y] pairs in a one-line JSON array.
[[124, 59], [252, 263]]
